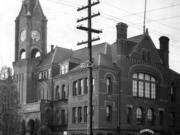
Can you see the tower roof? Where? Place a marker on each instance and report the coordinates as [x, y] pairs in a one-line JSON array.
[[31, 8]]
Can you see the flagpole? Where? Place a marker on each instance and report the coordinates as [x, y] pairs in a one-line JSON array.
[[144, 24]]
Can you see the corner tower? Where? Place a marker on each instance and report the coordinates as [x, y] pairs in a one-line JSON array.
[[30, 47]]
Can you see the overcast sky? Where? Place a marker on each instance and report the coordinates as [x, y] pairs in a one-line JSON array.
[[163, 18]]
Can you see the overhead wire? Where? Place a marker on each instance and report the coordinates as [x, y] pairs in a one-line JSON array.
[[152, 10], [112, 18], [140, 16]]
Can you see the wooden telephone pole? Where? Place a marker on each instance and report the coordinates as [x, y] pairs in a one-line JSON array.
[[90, 30]]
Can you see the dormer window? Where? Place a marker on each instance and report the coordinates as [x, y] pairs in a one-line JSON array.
[[64, 68], [43, 75]]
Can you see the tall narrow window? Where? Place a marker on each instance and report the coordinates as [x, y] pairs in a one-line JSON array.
[[63, 91], [79, 87], [135, 88], [93, 85], [108, 113], [82, 86], [79, 114], [66, 116], [153, 88], [109, 85], [129, 115], [75, 88], [139, 115], [141, 85], [66, 66], [161, 117], [85, 85], [147, 86], [57, 116], [150, 115], [57, 94], [85, 113], [62, 69], [62, 117], [74, 115]]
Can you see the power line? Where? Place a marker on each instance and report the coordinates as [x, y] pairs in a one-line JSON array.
[[116, 19], [135, 26], [151, 10], [142, 17]]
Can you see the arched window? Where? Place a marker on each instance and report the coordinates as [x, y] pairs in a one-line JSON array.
[[30, 125], [144, 85], [22, 54], [150, 115], [139, 115], [35, 53], [109, 85]]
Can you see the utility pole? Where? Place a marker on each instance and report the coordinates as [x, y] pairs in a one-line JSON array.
[[90, 30]]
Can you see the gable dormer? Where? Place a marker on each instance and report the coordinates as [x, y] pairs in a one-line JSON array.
[[146, 51]]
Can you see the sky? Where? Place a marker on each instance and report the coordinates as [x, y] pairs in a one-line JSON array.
[[163, 19]]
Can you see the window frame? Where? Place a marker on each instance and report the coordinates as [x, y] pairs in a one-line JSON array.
[[139, 115], [108, 113], [129, 115], [150, 116], [109, 85], [63, 90], [144, 85]]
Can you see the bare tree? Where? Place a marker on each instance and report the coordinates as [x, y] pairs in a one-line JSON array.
[[5, 73]]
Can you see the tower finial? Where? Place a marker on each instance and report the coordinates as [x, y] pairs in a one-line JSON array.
[[144, 24]]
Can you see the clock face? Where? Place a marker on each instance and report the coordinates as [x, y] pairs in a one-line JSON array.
[[35, 35], [23, 35]]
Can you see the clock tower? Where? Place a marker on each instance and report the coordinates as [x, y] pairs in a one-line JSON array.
[[30, 48]]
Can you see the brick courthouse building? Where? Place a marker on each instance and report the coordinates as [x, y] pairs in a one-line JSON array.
[[134, 90]]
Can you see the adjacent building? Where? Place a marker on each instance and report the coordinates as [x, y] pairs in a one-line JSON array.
[[134, 90]]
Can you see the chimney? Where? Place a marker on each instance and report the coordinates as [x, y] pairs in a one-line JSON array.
[[164, 50], [121, 30], [121, 47], [52, 48]]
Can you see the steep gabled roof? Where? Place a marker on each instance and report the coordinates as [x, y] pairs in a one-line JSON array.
[[31, 7], [58, 55], [136, 39]]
